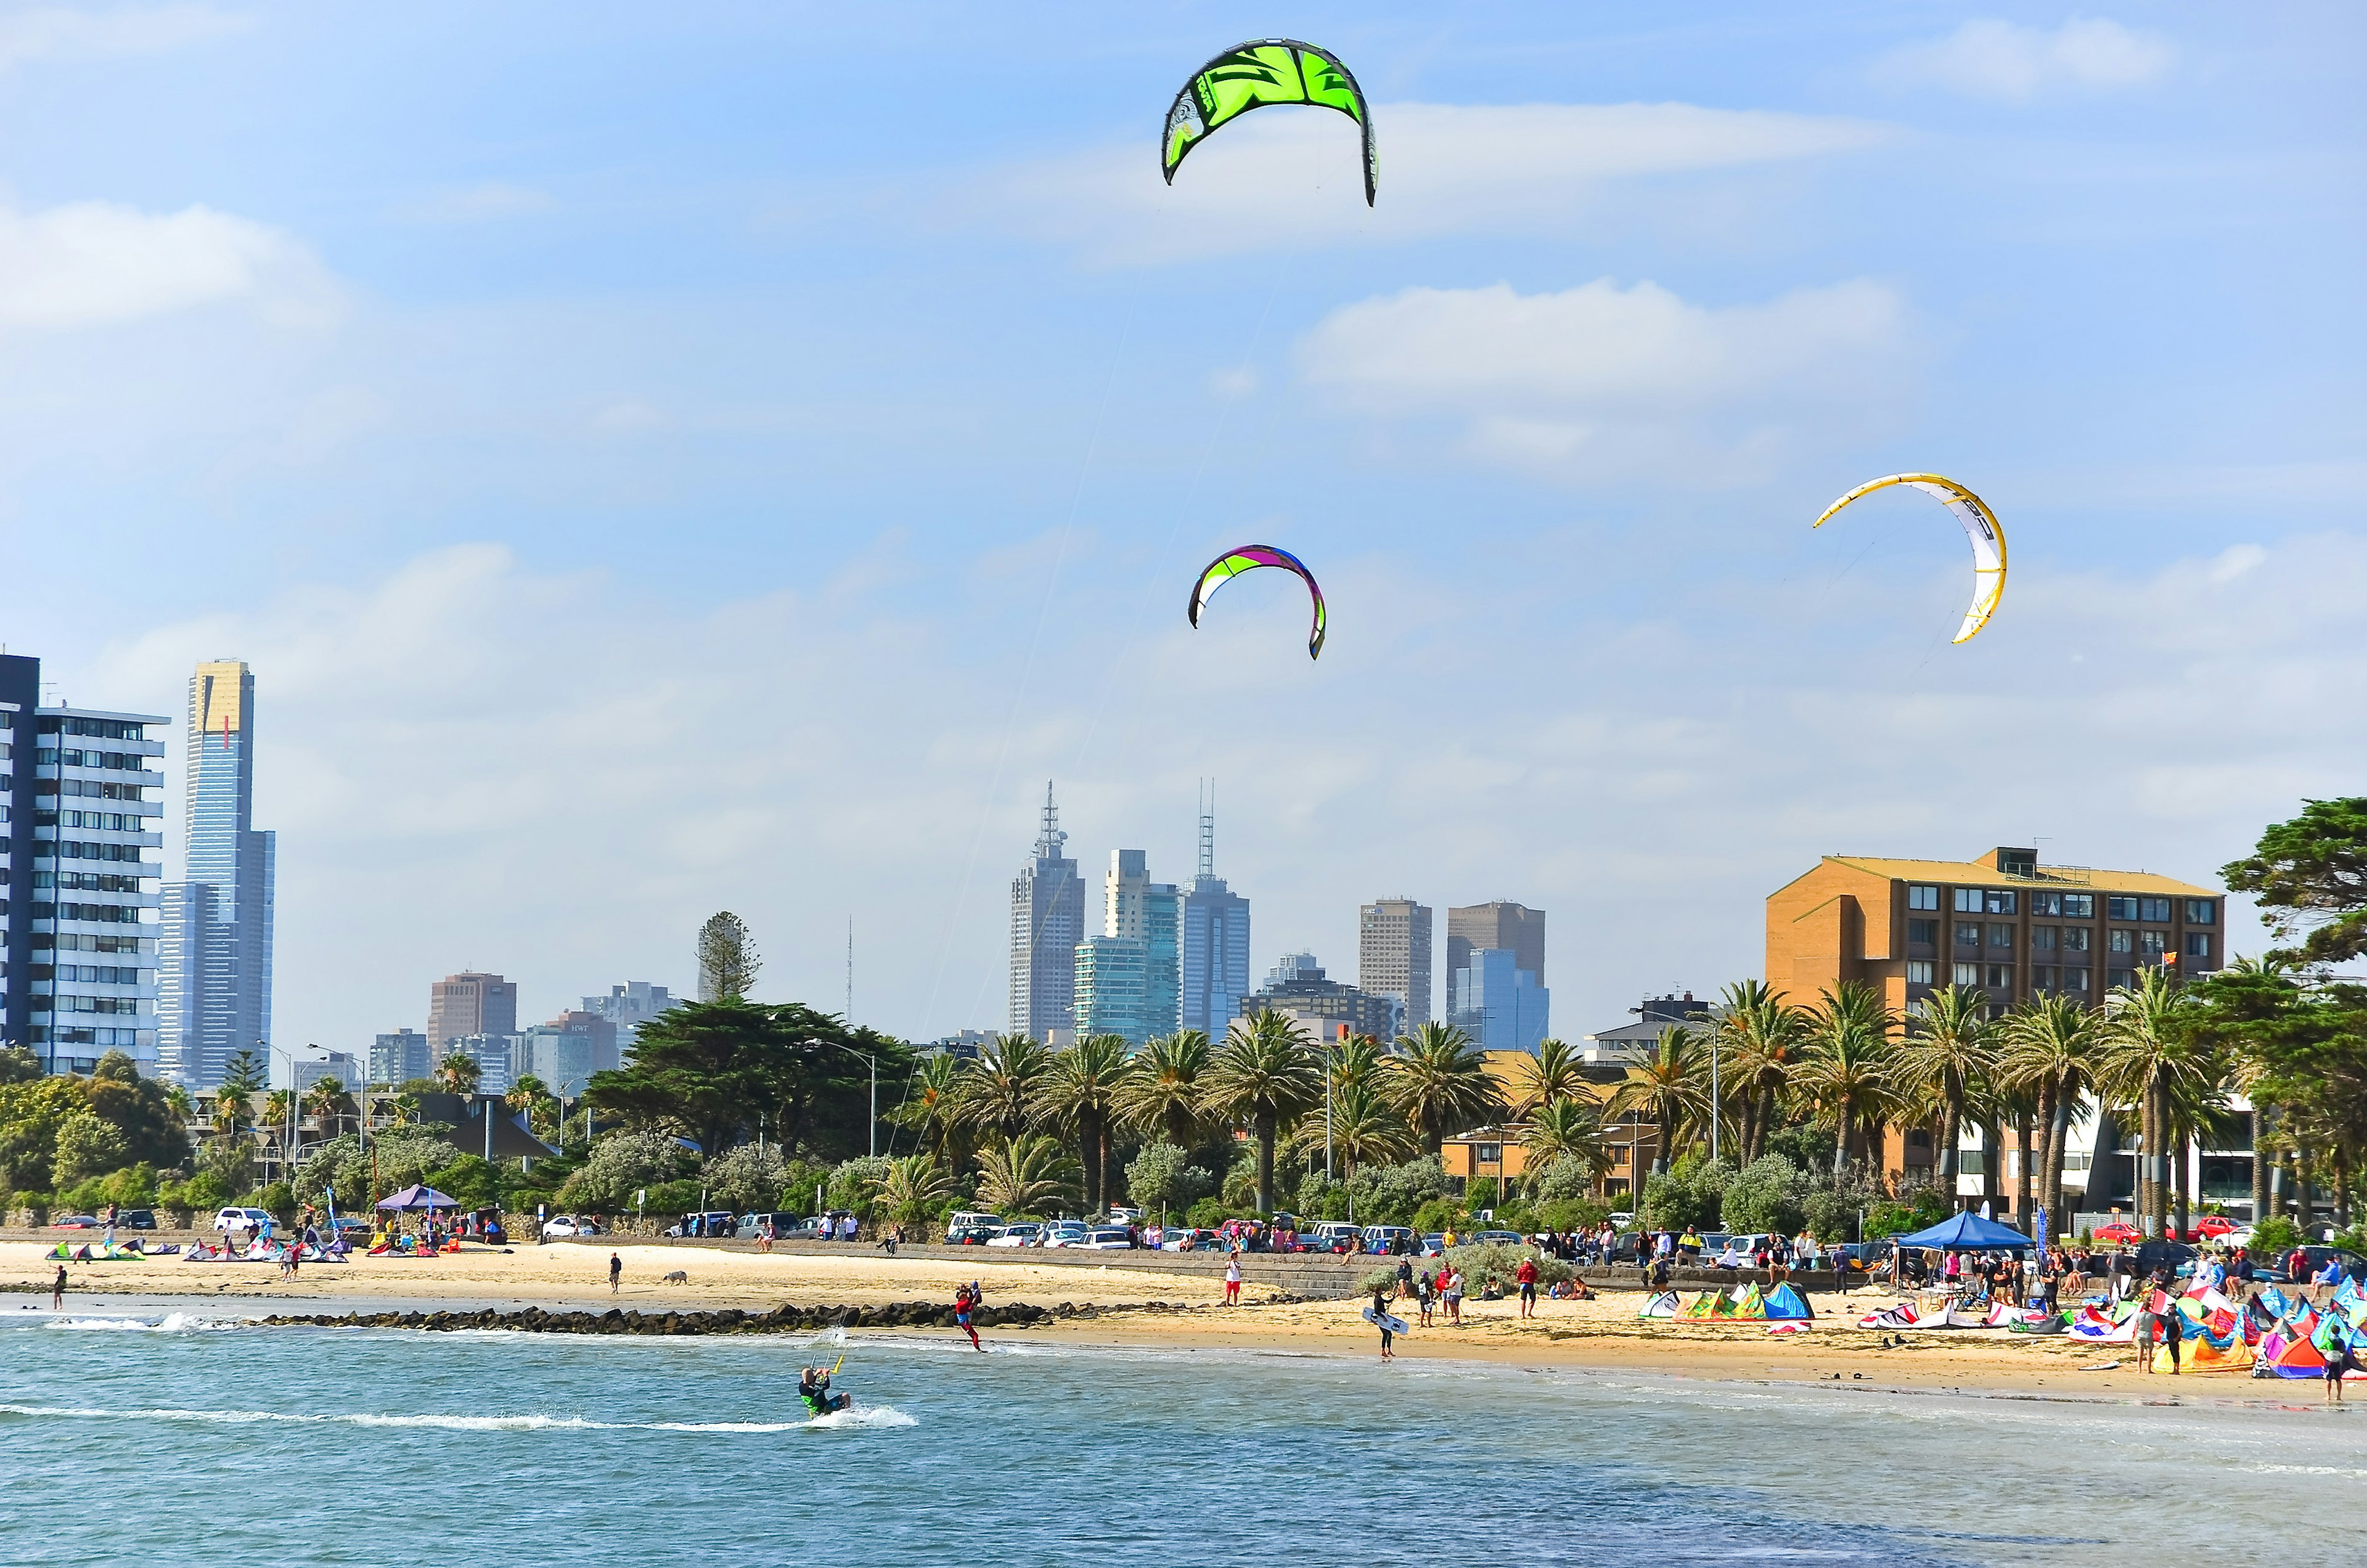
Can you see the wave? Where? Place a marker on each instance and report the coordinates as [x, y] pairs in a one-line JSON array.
[[862, 1417], [170, 1322]]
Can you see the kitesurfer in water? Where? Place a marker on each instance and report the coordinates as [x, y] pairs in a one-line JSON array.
[[966, 1300], [813, 1387]]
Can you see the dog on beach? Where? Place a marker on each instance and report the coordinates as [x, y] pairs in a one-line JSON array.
[[679, 1277]]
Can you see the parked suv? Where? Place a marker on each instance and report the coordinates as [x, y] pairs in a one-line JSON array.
[[255, 1220], [1383, 1240], [784, 1225]]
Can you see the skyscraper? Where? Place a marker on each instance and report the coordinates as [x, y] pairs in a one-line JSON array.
[[1497, 1003], [1048, 920], [20, 700], [1393, 957], [1215, 943], [470, 1003], [214, 947], [1128, 977], [1515, 928], [95, 815]]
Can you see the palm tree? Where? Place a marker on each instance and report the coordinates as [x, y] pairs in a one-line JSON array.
[[1438, 1079], [1846, 1073], [1355, 1060], [931, 1104], [459, 1073], [909, 1189], [1363, 1128], [1264, 1072], [1000, 1091], [1554, 1073], [2050, 1044], [1572, 1129], [1080, 1092], [2151, 1059], [1022, 1176], [1161, 1098], [1949, 1051], [327, 1100], [1763, 1037], [1671, 1086]]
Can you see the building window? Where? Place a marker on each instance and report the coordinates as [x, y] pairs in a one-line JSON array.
[[2154, 910], [1919, 1137], [2078, 906], [1968, 973], [2120, 909], [2120, 979], [1997, 901], [2122, 939], [1921, 897], [2075, 939], [2002, 935], [1919, 971], [2042, 977], [1967, 935], [2046, 903], [2000, 977], [1489, 1153], [2075, 979], [2153, 944], [1968, 900], [2201, 911], [2198, 944], [2043, 937], [1925, 931]]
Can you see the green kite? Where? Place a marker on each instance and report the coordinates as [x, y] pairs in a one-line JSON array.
[[1251, 75]]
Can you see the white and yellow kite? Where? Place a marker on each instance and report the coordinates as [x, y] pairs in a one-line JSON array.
[[1980, 527]]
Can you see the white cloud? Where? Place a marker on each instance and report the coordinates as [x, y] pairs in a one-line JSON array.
[[2006, 59], [1283, 179], [98, 264], [58, 33], [1601, 379]]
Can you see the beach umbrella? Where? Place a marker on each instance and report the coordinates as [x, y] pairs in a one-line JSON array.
[[412, 1199]]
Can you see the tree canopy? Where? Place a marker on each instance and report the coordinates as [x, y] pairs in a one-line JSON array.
[[2312, 873]]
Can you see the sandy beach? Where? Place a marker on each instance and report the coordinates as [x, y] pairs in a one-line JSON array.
[[1602, 1334]]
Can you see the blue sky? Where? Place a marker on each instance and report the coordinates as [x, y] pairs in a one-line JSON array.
[[668, 460]]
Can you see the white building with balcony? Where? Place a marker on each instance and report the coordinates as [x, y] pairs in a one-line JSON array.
[[98, 810]]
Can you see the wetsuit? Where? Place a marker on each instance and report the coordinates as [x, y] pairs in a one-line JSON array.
[[963, 1304]]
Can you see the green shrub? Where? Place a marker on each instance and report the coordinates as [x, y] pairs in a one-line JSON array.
[[1378, 1279], [1481, 1258], [1394, 1194], [277, 1199], [1690, 1192], [622, 1163], [1163, 1180], [1209, 1214], [1768, 1194], [1571, 1215], [2275, 1236], [748, 1180], [1441, 1215]]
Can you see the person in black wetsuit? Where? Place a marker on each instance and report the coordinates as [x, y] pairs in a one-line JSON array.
[[813, 1387]]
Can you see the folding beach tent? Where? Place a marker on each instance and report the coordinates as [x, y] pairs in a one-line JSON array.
[[413, 1199]]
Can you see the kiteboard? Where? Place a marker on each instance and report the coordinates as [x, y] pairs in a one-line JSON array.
[[1383, 1320]]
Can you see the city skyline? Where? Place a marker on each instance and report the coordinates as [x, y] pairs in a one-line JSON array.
[[553, 482]]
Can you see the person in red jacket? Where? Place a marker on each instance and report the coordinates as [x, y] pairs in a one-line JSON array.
[[1527, 1275]]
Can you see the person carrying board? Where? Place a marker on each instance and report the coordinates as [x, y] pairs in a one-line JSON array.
[[1378, 1315]]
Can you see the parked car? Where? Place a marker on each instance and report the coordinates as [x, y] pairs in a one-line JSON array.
[[972, 1236], [1025, 1233], [2118, 1235], [136, 1219], [709, 1223], [1434, 1244], [1382, 1240], [255, 1220], [1107, 1238], [1120, 1215], [74, 1223], [751, 1226], [1186, 1239], [1064, 1233], [1330, 1242], [560, 1226], [1505, 1238], [967, 1218], [2352, 1264], [2211, 1227]]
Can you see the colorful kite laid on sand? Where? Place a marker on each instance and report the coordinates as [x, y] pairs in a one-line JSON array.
[[1251, 75], [1980, 527], [1248, 557]]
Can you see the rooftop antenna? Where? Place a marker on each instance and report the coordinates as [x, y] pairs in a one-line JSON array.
[[1208, 828]]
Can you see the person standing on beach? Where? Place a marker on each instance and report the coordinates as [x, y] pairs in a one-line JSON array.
[[1527, 1275], [57, 1290], [616, 1271], [2341, 1358], [1233, 1279], [1423, 1291], [1453, 1294], [2173, 1331]]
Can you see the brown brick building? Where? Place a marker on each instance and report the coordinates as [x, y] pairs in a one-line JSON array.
[[2001, 922]]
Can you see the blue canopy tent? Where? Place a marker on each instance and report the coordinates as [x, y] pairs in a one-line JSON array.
[[416, 1198], [1966, 1232]]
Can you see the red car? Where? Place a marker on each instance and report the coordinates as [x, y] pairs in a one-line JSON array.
[[2211, 1227], [2118, 1235], [74, 1223]]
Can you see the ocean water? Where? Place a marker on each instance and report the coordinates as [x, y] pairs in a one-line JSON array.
[[169, 1437]]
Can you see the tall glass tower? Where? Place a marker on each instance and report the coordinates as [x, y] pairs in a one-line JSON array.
[[214, 950], [1215, 943]]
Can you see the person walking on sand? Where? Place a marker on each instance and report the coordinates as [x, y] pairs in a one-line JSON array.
[[1233, 1279], [1527, 1275], [1453, 1294], [616, 1271], [1381, 1320], [2340, 1359], [57, 1290]]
